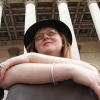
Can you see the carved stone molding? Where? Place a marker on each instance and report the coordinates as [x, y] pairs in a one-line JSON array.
[[61, 1], [13, 51], [91, 1], [87, 39], [1, 3], [30, 1], [13, 42]]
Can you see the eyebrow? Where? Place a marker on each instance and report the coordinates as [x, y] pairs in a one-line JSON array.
[[45, 32], [37, 33]]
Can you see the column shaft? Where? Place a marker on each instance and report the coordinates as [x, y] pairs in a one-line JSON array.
[[95, 13], [1, 8], [65, 17], [30, 15]]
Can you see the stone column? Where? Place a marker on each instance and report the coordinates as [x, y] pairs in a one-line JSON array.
[[1, 8], [65, 17], [95, 13], [30, 14]]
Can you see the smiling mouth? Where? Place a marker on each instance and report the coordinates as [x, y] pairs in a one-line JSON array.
[[47, 43]]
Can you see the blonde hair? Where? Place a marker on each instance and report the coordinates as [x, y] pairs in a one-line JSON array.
[[66, 50]]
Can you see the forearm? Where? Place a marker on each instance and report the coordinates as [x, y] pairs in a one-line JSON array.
[[16, 60], [40, 58], [34, 74]]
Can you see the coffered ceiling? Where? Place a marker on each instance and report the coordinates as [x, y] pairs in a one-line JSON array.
[[13, 19]]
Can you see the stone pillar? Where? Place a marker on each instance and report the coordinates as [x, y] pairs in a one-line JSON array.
[[30, 14], [95, 13], [65, 17], [1, 8]]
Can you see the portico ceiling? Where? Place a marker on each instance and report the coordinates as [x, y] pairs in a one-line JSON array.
[[20, 1], [13, 19]]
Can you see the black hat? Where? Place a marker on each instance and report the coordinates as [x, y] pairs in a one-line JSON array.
[[56, 24]]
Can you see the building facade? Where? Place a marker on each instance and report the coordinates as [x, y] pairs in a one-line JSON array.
[[82, 17]]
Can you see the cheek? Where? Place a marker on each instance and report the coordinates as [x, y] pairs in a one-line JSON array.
[[37, 44], [60, 40]]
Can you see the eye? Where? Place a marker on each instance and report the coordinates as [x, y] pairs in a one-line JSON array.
[[38, 37], [52, 32]]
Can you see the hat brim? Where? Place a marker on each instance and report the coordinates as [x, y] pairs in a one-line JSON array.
[[56, 24]]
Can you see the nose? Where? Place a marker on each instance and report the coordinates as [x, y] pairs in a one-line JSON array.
[[45, 37]]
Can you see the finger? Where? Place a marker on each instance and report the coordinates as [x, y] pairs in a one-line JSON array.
[[0, 70], [3, 70], [2, 73], [1, 66]]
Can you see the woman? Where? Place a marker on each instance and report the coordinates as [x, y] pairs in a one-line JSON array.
[[51, 40]]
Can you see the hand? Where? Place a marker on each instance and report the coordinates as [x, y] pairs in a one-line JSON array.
[[4, 67], [0, 70], [88, 78]]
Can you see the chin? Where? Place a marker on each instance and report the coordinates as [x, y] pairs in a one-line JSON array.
[[49, 51]]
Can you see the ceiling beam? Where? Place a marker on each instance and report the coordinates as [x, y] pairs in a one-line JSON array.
[[91, 30], [43, 13], [6, 23], [87, 24], [42, 8], [13, 31], [80, 22], [11, 16], [95, 34], [76, 13], [21, 1], [53, 10], [23, 30]]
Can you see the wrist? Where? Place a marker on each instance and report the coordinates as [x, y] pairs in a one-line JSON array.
[[62, 72]]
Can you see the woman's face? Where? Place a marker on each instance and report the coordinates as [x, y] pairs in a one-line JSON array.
[[49, 45]]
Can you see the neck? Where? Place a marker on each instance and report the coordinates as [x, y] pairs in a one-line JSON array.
[[54, 54]]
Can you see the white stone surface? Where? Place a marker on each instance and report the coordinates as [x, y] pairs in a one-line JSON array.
[[65, 17], [95, 13], [90, 52], [30, 15], [0, 15]]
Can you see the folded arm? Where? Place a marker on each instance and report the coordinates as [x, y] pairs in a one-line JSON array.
[[33, 73], [40, 58]]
